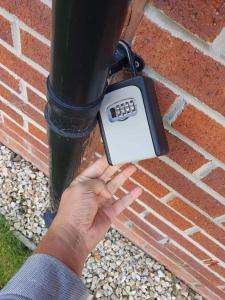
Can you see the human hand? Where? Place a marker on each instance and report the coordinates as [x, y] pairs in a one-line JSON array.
[[86, 211]]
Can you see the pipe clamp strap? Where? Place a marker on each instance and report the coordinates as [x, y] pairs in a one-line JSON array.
[[65, 119], [93, 107], [68, 133]]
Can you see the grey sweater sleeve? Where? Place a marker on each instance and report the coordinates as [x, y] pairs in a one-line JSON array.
[[44, 277]]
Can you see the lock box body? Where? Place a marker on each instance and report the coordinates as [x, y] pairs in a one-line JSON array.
[[130, 122]]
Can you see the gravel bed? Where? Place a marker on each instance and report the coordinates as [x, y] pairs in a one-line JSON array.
[[116, 269]]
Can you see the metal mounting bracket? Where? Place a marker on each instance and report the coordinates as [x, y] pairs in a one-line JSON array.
[[120, 61]]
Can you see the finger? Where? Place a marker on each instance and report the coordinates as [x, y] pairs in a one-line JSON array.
[[96, 169], [119, 180], [127, 200], [109, 172]]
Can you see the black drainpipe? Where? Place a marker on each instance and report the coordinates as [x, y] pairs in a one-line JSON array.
[[84, 36]]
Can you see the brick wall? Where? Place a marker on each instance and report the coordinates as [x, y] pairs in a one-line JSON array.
[[180, 217]]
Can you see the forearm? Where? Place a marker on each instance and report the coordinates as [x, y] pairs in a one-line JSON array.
[[65, 244]]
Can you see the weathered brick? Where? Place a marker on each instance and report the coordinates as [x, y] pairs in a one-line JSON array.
[[185, 187], [39, 134], [11, 113], [11, 127], [187, 67], [22, 69], [208, 244], [22, 106], [150, 184], [23, 143], [134, 233], [5, 31], [9, 80], [35, 49], [218, 269], [42, 157], [216, 180], [183, 268], [16, 146], [197, 270], [165, 97], [135, 205], [174, 235], [165, 212], [204, 18], [161, 208], [201, 129], [33, 13], [36, 100], [198, 219], [184, 155], [152, 237], [142, 225]]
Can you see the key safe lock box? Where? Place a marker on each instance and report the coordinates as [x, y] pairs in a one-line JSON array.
[[129, 118]]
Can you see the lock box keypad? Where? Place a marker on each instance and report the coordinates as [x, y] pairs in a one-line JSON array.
[[122, 110]]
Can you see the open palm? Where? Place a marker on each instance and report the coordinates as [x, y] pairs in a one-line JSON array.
[[88, 204]]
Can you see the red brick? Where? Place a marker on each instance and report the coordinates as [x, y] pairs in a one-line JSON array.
[[39, 134], [11, 113], [15, 145], [9, 80], [184, 155], [100, 149], [35, 50], [165, 212], [136, 234], [176, 264], [216, 180], [149, 239], [182, 64], [204, 18], [22, 106], [5, 31], [208, 244], [150, 184], [185, 187], [174, 235], [198, 219], [197, 270], [42, 157], [11, 128], [137, 207], [19, 139], [165, 97], [161, 208], [162, 248], [22, 69], [33, 13], [218, 269], [36, 100], [142, 225], [202, 130]]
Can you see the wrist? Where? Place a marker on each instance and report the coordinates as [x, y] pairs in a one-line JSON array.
[[65, 244]]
